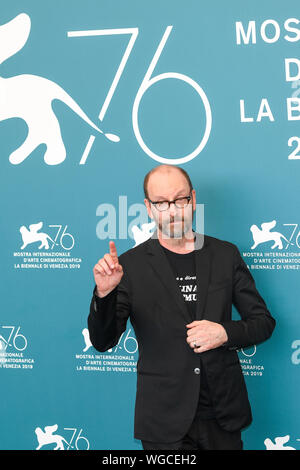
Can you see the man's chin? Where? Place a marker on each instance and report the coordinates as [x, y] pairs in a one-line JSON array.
[[176, 234]]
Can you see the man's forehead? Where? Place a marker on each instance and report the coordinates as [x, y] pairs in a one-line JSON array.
[[160, 192], [167, 182]]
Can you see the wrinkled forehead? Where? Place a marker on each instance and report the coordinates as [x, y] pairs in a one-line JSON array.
[[167, 185]]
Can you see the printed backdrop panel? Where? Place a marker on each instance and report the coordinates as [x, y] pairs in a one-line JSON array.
[[92, 96]]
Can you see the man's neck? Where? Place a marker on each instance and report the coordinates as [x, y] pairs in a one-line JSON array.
[[178, 245]]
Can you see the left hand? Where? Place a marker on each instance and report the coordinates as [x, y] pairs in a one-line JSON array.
[[204, 335]]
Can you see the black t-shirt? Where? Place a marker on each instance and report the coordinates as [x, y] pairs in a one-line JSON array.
[[184, 268]]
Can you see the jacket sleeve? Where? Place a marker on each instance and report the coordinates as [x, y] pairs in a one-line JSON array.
[[108, 315], [256, 324]]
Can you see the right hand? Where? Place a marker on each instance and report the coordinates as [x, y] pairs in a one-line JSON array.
[[108, 272]]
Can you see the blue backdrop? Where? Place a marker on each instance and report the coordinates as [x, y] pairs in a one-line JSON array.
[[93, 95]]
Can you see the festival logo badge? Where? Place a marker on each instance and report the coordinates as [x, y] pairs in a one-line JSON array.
[[122, 358], [48, 249], [49, 439], [13, 348], [274, 249]]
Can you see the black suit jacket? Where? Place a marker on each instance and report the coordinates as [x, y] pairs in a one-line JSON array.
[[168, 369]]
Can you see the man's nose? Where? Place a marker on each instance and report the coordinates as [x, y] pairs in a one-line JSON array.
[[172, 208]]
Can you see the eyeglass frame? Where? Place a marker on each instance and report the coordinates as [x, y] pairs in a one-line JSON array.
[[189, 197]]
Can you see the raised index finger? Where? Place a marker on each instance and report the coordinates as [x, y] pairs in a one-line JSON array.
[[113, 251]]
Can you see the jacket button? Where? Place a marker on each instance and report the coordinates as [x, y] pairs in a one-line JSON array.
[[197, 370]]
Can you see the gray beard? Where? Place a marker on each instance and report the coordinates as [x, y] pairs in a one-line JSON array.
[[177, 230]]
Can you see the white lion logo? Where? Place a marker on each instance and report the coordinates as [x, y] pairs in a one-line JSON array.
[[279, 443], [32, 235], [30, 97], [47, 437], [265, 235]]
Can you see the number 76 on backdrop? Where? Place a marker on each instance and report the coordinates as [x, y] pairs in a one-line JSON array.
[[148, 80]]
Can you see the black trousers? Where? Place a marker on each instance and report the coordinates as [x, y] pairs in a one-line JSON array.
[[204, 434]]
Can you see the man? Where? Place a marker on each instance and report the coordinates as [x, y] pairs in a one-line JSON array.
[[178, 288]]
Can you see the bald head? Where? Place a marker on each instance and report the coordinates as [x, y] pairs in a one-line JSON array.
[[162, 175]]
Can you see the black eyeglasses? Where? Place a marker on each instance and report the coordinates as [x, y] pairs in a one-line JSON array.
[[180, 203]]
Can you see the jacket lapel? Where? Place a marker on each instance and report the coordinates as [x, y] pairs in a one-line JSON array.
[[163, 270], [203, 268]]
